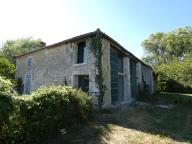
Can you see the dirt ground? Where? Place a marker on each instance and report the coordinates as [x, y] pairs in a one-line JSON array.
[[140, 124]]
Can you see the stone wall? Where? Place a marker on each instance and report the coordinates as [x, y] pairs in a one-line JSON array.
[[54, 66]]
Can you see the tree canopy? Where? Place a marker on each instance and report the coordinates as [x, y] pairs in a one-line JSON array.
[[13, 48], [163, 48], [170, 54]]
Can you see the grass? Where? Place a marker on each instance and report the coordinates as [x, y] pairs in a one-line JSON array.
[[167, 98], [142, 123]]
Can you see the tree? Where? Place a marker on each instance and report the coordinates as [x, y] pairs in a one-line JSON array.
[[163, 48], [13, 48], [96, 47], [6, 68], [154, 49]]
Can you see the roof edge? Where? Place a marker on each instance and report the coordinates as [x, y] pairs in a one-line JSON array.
[[61, 42], [85, 36]]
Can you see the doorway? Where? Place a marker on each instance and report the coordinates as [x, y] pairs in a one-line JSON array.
[[133, 78], [28, 83], [83, 82]]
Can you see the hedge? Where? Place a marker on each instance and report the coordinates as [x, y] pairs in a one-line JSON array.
[[5, 85], [45, 113], [6, 107], [175, 77]]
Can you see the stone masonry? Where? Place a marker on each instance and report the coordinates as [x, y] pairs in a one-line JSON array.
[[56, 65]]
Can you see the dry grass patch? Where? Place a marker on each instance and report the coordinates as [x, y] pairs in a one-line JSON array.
[[139, 124], [122, 135]]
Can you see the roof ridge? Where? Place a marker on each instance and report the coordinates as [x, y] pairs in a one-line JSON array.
[[84, 36]]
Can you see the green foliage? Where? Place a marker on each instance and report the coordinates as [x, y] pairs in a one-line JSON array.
[[19, 85], [13, 48], [169, 98], [171, 55], [96, 47], [13, 131], [5, 85], [176, 98], [6, 107], [6, 68], [175, 77], [163, 48], [45, 113]]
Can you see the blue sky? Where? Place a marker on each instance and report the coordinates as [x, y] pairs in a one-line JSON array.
[[127, 21]]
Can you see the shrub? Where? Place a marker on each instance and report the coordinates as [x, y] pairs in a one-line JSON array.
[[175, 77], [45, 112], [6, 68], [5, 85], [6, 108]]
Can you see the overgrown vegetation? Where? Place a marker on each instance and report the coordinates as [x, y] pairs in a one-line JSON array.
[[6, 108], [163, 48], [170, 55], [175, 77], [168, 98], [96, 47], [6, 68], [13, 48], [144, 123], [5, 85], [35, 118]]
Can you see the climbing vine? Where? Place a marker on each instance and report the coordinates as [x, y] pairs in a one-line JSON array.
[[96, 47]]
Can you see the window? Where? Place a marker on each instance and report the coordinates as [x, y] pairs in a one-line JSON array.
[[81, 53], [29, 63]]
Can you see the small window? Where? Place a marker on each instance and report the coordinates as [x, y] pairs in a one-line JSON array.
[[81, 53], [29, 63]]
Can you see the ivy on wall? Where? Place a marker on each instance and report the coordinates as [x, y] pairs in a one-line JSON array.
[[96, 47]]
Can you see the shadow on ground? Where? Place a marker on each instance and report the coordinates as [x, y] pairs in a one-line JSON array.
[[141, 123]]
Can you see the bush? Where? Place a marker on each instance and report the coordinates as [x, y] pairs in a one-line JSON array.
[[6, 108], [175, 77], [6, 68], [45, 112], [14, 129], [5, 85]]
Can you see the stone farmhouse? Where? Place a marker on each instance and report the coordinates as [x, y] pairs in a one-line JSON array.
[[71, 62]]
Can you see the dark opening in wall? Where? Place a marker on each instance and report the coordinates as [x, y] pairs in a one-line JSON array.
[[83, 82], [81, 53]]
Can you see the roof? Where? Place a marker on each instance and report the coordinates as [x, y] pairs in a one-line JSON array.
[[90, 34]]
